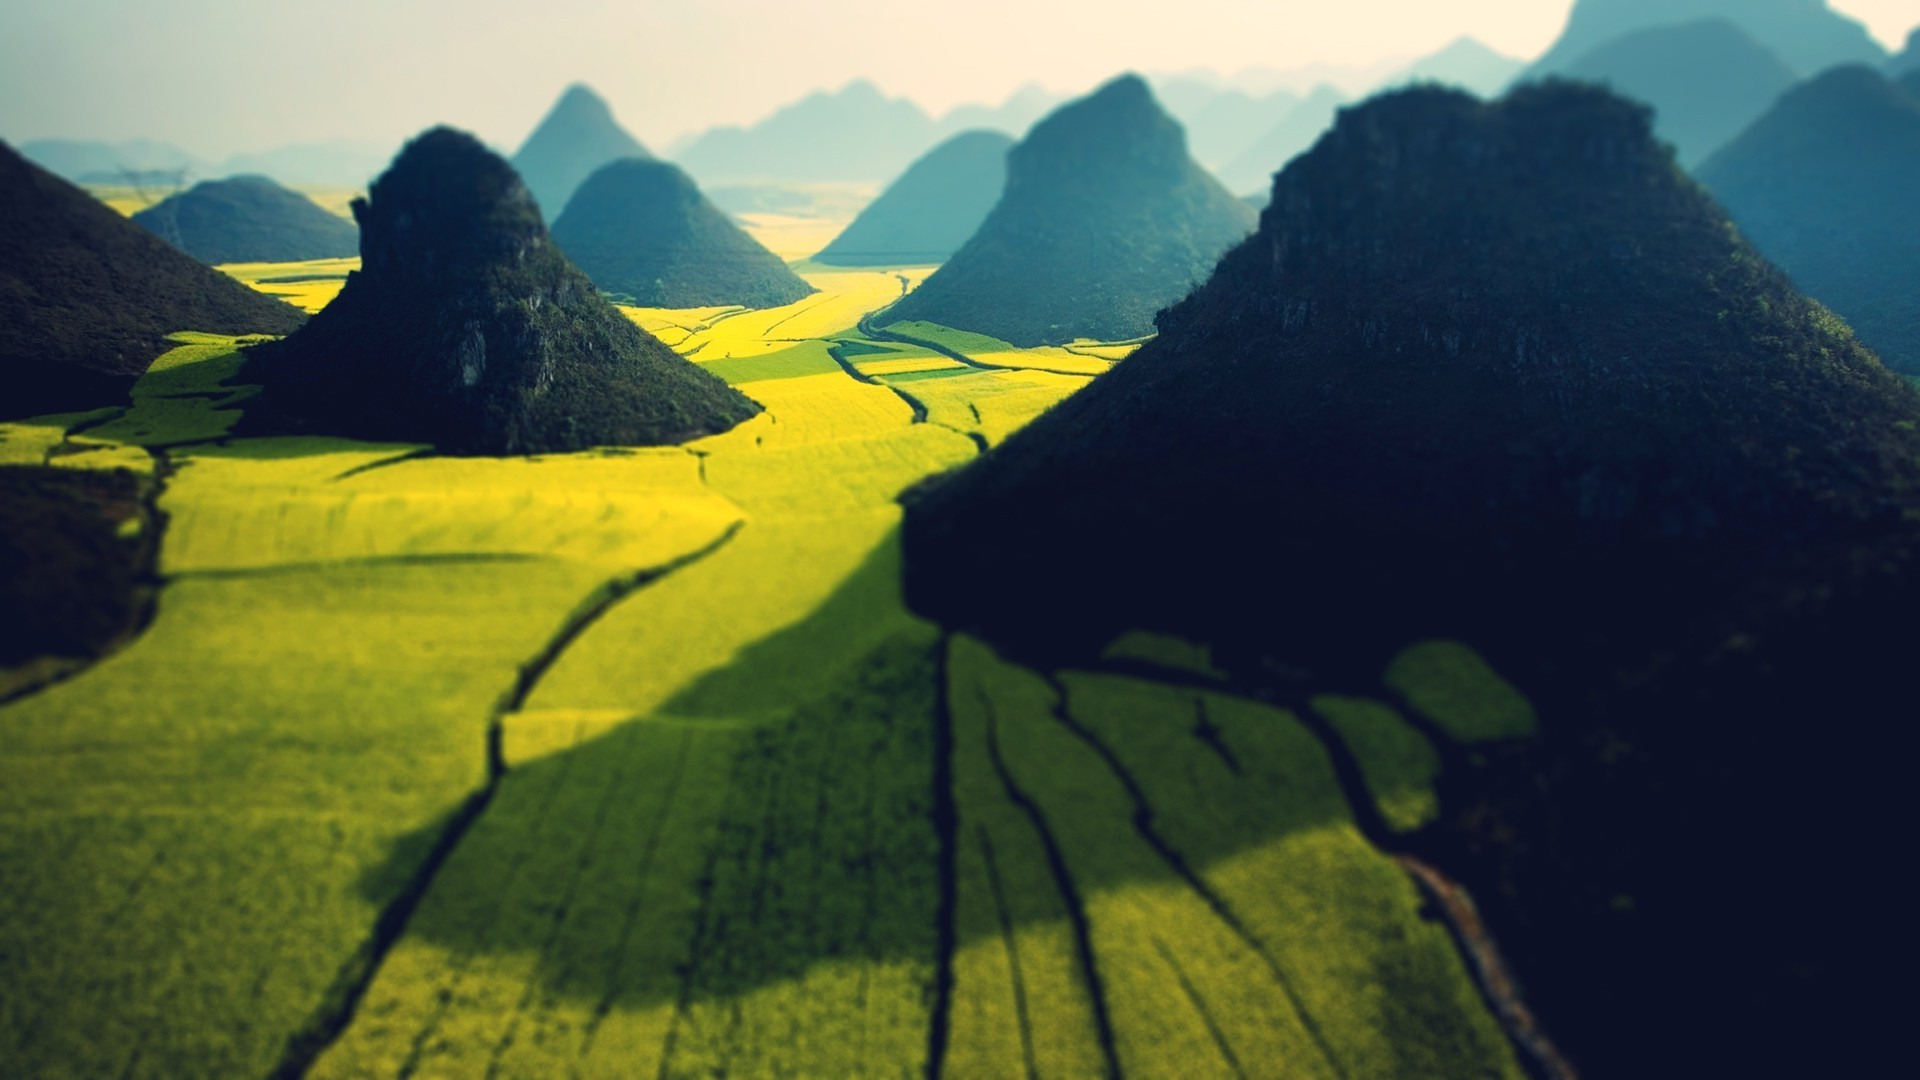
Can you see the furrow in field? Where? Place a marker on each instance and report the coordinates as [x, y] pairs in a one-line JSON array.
[[305, 1048], [1063, 881]]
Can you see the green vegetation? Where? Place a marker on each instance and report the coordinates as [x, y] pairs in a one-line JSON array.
[[643, 231], [1229, 912], [745, 813], [1397, 762], [1820, 184], [1106, 220], [1450, 684], [249, 219], [87, 297], [467, 329], [929, 212]]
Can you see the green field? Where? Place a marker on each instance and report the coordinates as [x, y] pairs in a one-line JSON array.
[[633, 762]]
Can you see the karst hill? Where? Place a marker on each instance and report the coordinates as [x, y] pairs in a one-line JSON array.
[[249, 219], [643, 231], [466, 327], [1105, 219], [88, 297], [1501, 373]]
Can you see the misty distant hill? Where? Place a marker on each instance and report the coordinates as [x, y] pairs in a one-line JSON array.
[[642, 231], [88, 297], [93, 160], [1105, 219], [1020, 111], [1807, 34], [1221, 122], [932, 209], [577, 136], [1825, 184], [1908, 60], [348, 163], [854, 133], [1466, 63], [1706, 80], [1253, 169], [1501, 374], [467, 328], [249, 219]]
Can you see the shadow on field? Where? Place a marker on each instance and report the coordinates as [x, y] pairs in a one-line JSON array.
[[780, 835]]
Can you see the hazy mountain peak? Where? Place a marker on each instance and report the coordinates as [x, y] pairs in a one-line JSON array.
[[1808, 34], [578, 135]]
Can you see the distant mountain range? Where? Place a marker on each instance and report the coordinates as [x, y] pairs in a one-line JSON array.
[[1807, 34], [1824, 186], [334, 162], [1706, 80]]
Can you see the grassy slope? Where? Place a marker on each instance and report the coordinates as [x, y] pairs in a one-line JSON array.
[[715, 847]]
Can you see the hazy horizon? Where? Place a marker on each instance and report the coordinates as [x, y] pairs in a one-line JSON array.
[[219, 77]]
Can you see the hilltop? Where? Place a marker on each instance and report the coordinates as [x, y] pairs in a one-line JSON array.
[[1105, 219], [642, 230], [249, 219], [926, 214], [466, 327], [577, 136], [1824, 185], [88, 297], [1807, 34], [1501, 373], [1706, 80]]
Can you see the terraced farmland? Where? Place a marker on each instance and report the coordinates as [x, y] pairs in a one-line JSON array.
[[635, 763]]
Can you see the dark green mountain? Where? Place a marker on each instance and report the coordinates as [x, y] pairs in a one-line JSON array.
[[88, 297], [1502, 373], [925, 215], [1706, 80], [1104, 221], [1807, 34], [643, 231], [1825, 185], [467, 327], [1253, 169], [577, 136], [249, 219]]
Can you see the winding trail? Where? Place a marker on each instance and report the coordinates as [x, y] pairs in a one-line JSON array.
[[867, 328]]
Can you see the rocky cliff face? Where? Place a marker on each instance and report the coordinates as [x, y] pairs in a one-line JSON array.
[[467, 328]]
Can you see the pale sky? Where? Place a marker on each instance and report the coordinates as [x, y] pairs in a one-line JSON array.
[[220, 76]]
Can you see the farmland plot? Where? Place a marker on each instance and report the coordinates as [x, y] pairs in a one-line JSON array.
[[634, 763]]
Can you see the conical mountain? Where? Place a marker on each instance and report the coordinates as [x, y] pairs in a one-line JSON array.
[[1825, 185], [88, 297], [926, 214], [1706, 80], [1808, 34], [1105, 220], [467, 327], [577, 136], [1466, 63], [1501, 373], [249, 219], [642, 230]]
